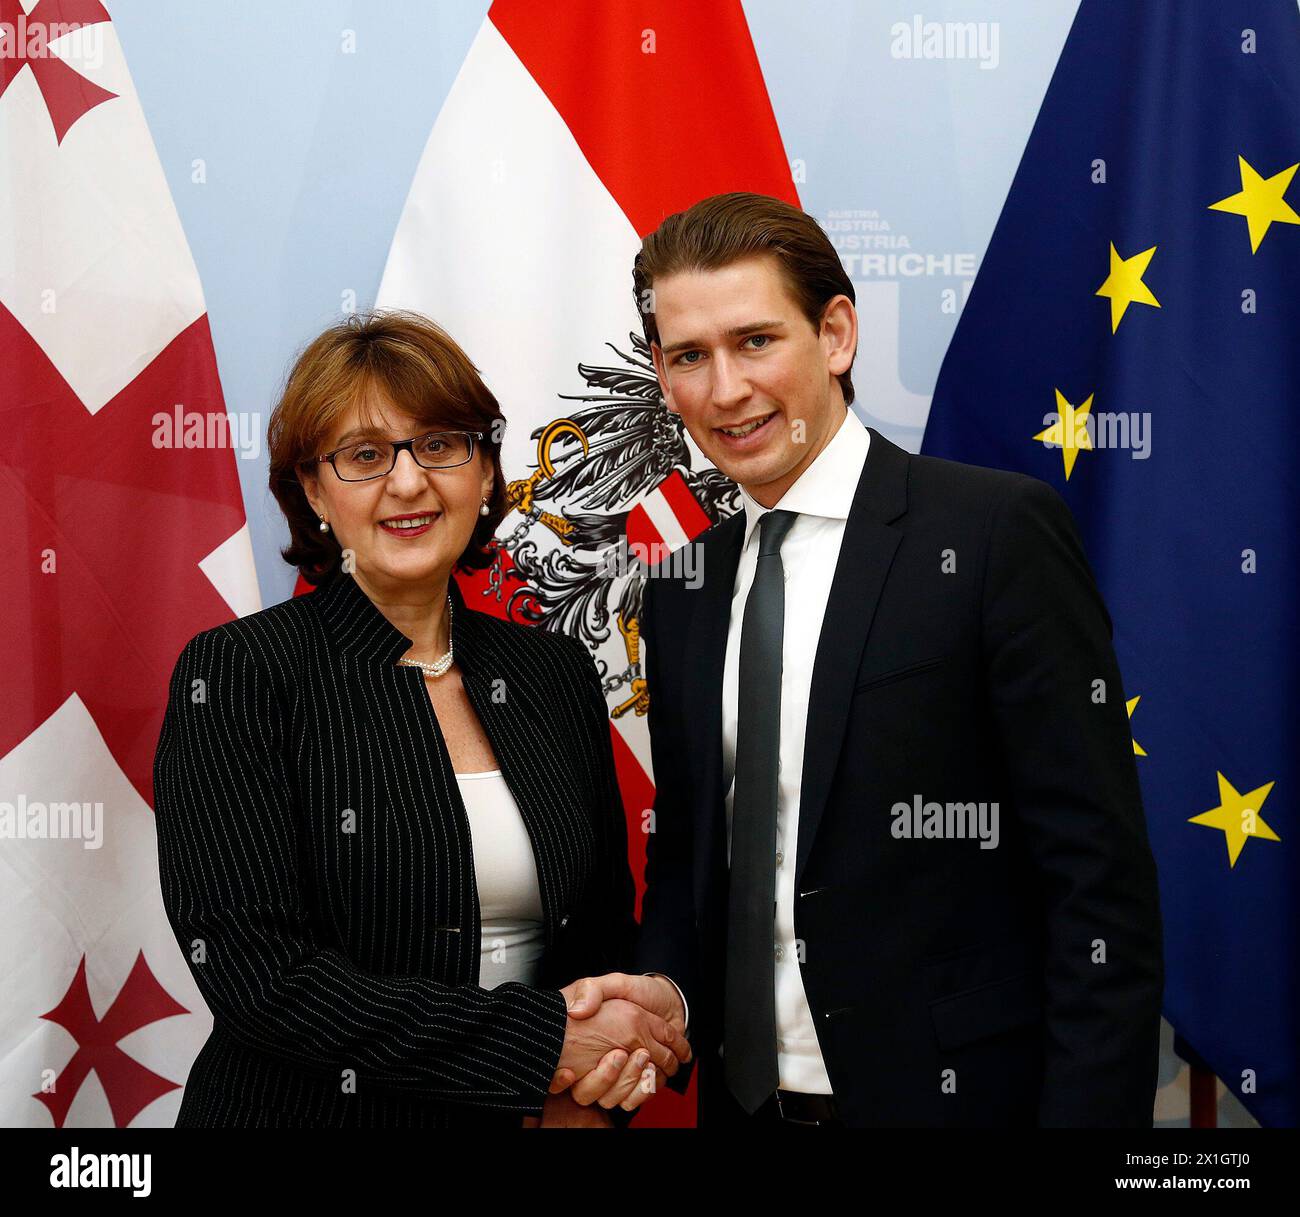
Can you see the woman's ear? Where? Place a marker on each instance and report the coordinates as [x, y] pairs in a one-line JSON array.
[[311, 488]]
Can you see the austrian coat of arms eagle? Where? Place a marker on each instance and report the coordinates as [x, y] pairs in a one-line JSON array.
[[605, 472]]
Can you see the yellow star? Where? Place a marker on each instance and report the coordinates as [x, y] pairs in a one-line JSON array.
[[1124, 284], [1238, 816], [1070, 431], [1131, 705], [1260, 201]]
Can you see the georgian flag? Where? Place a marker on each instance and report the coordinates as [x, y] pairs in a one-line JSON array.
[[117, 548], [571, 131]]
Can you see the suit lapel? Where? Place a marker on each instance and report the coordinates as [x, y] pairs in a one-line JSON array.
[[866, 555], [706, 655], [520, 732]]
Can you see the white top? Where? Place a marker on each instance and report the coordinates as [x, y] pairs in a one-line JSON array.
[[510, 901], [822, 496]]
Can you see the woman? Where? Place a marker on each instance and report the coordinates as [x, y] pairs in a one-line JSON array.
[[389, 828]]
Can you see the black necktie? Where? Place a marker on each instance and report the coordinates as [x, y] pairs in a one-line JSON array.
[[749, 1026]]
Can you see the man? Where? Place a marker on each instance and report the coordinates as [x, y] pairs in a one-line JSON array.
[[900, 872]]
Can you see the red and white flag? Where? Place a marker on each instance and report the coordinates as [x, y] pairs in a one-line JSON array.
[[123, 536], [571, 131], [667, 518]]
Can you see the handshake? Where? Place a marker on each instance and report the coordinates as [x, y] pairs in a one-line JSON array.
[[625, 1034]]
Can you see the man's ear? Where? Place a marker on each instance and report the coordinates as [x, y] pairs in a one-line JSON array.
[[661, 372], [839, 334]]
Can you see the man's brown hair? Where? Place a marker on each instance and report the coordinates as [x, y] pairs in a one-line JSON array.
[[720, 230], [421, 370]]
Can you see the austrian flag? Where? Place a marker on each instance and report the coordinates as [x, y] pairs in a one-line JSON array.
[[665, 520], [570, 133]]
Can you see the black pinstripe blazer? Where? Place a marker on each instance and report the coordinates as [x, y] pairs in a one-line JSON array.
[[317, 869]]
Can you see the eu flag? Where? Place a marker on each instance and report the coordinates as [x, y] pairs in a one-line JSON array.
[[1133, 338]]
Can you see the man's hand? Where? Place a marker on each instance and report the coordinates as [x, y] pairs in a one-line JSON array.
[[615, 1025], [619, 1078], [654, 993]]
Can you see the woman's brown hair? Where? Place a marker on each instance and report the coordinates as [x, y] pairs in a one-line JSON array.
[[724, 228], [422, 371]]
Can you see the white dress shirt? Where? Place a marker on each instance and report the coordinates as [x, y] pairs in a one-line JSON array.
[[822, 497]]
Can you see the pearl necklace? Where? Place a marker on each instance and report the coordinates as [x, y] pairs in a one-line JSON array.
[[439, 667]]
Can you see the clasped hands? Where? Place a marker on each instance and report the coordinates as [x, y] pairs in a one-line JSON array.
[[625, 1035]]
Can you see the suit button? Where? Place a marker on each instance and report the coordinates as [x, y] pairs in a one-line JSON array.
[[780, 857], [780, 953]]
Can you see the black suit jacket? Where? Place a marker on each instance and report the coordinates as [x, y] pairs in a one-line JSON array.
[[317, 869], [965, 657]]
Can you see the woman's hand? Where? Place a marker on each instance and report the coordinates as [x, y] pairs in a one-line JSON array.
[[560, 1111]]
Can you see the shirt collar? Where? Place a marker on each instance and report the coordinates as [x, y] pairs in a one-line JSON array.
[[826, 488], [357, 627]]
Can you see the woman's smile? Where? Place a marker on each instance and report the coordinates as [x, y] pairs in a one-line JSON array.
[[411, 525]]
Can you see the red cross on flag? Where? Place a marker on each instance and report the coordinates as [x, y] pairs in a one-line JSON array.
[[119, 544], [571, 131]]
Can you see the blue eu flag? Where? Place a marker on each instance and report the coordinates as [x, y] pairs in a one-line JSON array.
[[1133, 338]]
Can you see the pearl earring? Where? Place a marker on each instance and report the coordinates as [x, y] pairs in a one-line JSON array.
[[484, 509], [324, 527]]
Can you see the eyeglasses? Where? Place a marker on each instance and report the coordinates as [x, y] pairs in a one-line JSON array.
[[370, 458]]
